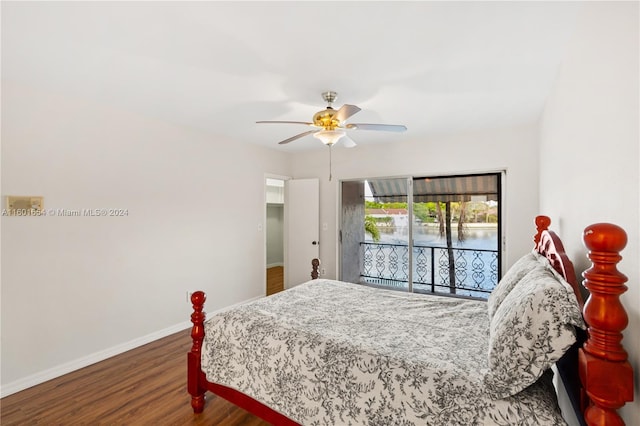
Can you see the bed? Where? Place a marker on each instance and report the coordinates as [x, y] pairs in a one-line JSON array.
[[328, 352]]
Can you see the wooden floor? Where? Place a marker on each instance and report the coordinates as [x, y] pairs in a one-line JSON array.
[[275, 280], [145, 386]]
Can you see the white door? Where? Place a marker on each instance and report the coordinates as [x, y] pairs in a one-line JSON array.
[[302, 222]]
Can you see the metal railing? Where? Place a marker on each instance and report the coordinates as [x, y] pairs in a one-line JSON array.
[[475, 271]]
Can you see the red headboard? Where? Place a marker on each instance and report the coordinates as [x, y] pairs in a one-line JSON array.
[[549, 245]]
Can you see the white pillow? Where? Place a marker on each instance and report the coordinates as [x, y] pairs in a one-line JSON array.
[[531, 329], [522, 267]]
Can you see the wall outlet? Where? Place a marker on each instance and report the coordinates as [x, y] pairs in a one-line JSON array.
[[189, 297], [322, 271]]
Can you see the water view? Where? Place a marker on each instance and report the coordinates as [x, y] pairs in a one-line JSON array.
[[477, 236], [475, 259]]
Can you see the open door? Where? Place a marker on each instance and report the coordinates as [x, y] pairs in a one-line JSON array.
[[302, 219]]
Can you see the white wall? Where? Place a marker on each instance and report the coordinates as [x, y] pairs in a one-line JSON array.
[[514, 150], [76, 286], [589, 149]]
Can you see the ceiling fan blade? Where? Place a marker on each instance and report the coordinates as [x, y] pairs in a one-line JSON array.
[[347, 141], [293, 138], [385, 127], [346, 111], [306, 123]]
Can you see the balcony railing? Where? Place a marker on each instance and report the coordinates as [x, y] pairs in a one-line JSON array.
[[476, 270]]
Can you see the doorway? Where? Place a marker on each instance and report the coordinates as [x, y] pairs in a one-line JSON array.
[[274, 234]]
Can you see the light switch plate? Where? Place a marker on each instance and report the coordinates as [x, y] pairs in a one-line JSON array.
[[20, 205]]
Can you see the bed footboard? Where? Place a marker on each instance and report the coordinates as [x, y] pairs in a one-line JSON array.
[[195, 383], [315, 263]]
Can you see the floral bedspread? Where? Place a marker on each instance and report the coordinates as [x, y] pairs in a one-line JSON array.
[[334, 353]]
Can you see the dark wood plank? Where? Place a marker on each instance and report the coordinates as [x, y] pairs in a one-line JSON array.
[[146, 385]]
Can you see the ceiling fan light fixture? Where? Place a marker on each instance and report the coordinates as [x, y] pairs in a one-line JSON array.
[[329, 137], [332, 126]]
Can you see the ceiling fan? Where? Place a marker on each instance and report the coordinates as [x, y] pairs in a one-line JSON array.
[[332, 124]]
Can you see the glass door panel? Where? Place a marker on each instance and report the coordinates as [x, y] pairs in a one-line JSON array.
[[385, 250], [456, 234]]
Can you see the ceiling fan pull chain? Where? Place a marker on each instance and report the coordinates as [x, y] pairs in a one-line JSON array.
[[329, 163]]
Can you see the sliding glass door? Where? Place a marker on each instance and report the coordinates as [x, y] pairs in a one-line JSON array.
[[423, 234]]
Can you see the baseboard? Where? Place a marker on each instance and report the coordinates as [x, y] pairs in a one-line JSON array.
[[273, 265], [61, 370]]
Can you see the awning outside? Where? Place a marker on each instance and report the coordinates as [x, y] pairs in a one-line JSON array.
[[451, 188]]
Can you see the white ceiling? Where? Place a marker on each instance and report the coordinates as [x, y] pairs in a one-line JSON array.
[[435, 67]]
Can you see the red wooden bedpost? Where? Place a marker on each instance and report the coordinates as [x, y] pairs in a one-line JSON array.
[[542, 224], [606, 375], [314, 268], [194, 385]]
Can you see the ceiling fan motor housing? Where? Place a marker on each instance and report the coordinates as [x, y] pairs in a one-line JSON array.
[[325, 119]]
